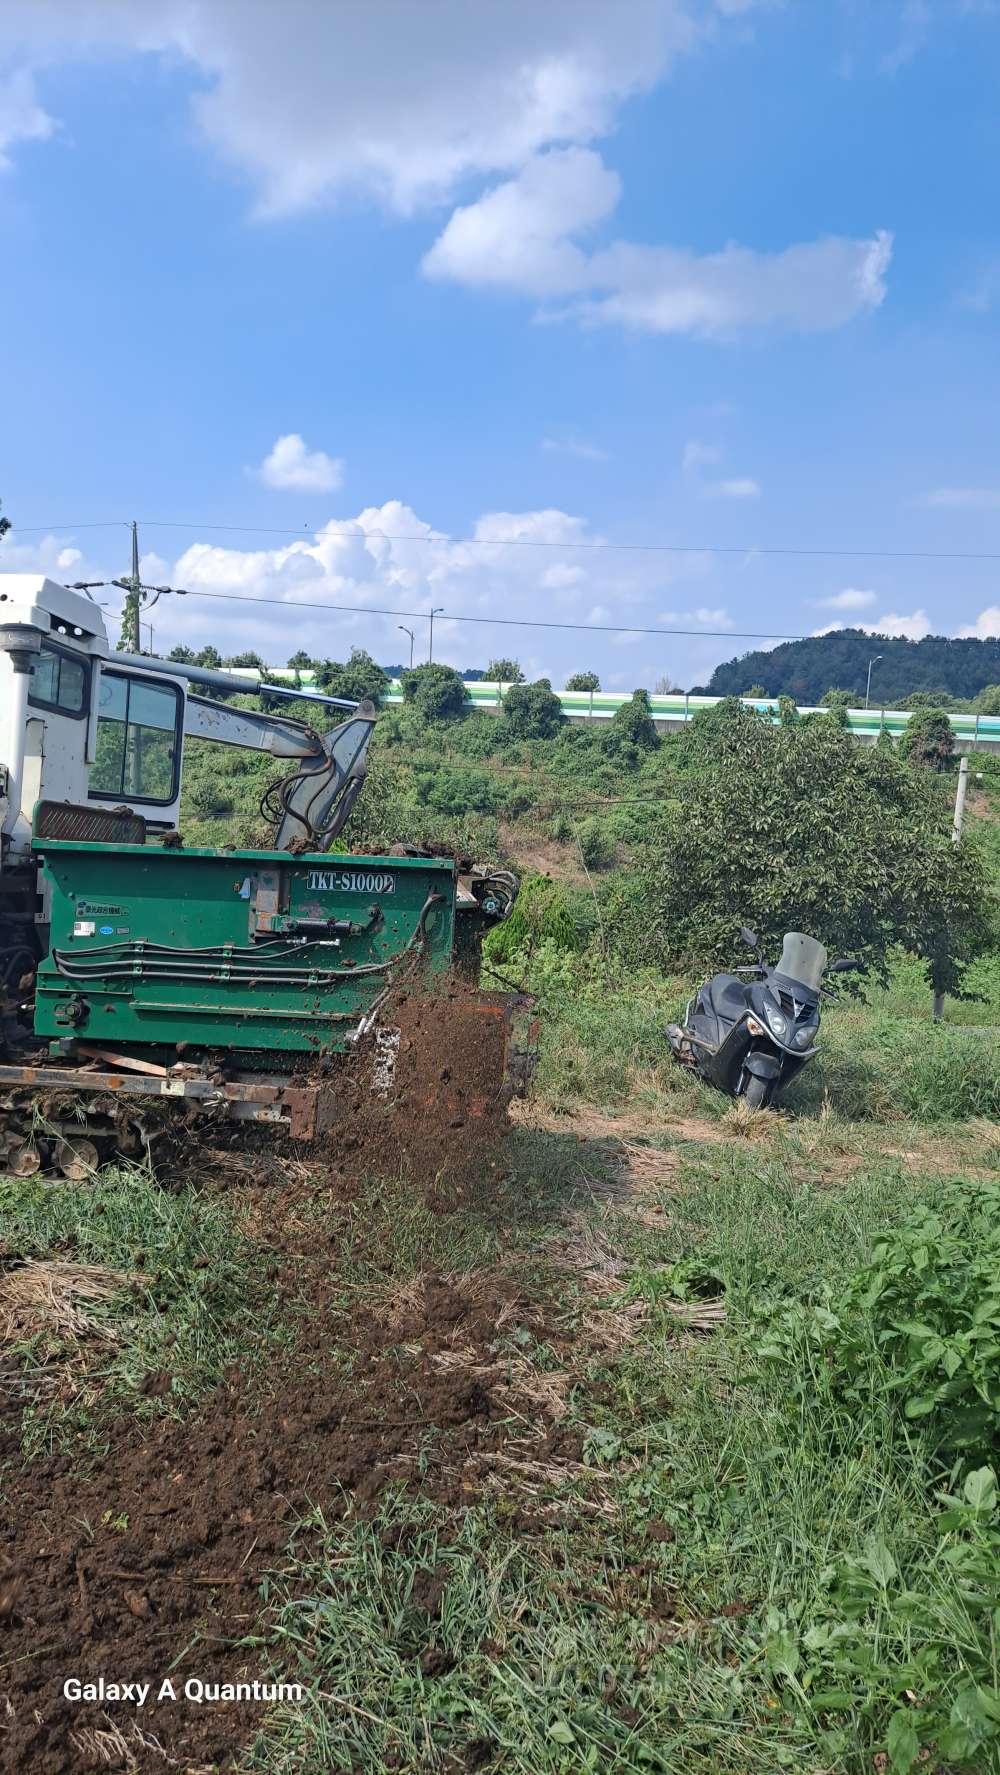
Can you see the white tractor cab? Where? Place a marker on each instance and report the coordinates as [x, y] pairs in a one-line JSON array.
[[81, 726], [91, 743]]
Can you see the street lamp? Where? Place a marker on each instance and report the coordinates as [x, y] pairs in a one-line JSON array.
[[437, 611], [404, 630], [868, 687]]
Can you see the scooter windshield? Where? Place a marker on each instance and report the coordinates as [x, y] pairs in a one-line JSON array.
[[802, 960]]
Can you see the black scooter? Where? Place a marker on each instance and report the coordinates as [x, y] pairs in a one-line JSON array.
[[749, 1038]]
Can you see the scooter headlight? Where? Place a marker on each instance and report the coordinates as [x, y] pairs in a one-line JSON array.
[[804, 1036], [777, 1021]]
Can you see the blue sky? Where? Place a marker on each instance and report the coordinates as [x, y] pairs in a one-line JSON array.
[[703, 273]]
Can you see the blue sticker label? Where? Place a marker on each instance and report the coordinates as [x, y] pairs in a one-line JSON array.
[[107, 930]]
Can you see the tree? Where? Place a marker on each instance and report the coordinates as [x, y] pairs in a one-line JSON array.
[[756, 691], [988, 700], [665, 686], [928, 739], [583, 681], [301, 661], [245, 659], [360, 679], [183, 656], [4, 525], [800, 828], [532, 711], [209, 657], [504, 671], [929, 699], [631, 732], [436, 691], [836, 703]]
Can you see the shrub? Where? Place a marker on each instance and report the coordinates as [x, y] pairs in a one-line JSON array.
[[583, 681], [541, 915], [532, 711], [359, 679], [456, 789], [929, 739], [799, 828], [436, 690], [504, 671], [208, 798], [597, 844], [631, 732]]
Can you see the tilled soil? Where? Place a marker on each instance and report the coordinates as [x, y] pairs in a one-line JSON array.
[[153, 1565]]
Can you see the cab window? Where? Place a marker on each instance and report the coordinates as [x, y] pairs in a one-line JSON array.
[[59, 681], [138, 747]]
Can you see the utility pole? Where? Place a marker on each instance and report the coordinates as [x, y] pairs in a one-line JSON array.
[[437, 611], [131, 641], [868, 688], [405, 631], [937, 1007]]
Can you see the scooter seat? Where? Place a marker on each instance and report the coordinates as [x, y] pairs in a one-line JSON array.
[[727, 996]]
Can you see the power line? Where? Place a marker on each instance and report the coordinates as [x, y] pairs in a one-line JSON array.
[[507, 622], [532, 542]]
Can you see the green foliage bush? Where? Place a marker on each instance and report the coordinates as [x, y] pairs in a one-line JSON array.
[[532, 711], [928, 738], [799, 828], [456, 789], [631, 732], [436, 691], [583, 681], [596, 842], [541, 915], [359, 679]]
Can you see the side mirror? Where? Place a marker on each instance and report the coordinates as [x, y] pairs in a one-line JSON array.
[[845, 963], [748, 937]]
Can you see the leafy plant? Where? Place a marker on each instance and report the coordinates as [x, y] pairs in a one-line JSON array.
[[799, 828], [532, 711], [928, 739], [436, 690]]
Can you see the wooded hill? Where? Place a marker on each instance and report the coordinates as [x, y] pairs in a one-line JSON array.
[[807, 669]]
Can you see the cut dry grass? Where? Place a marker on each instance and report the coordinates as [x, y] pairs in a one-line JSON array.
[[45, 1295]]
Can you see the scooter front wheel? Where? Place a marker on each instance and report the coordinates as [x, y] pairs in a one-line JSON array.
[[758, 1092]]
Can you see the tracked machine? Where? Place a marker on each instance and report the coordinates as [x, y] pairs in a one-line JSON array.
[[142, 980]]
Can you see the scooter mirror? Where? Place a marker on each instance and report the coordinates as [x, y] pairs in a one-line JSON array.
[[748, 937], [844, 964]]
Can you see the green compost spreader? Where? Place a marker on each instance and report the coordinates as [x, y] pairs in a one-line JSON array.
[[226, 978]]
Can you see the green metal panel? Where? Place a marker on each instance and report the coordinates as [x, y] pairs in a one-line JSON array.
[[232, 949]]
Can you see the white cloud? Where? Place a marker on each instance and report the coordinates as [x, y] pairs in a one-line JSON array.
[[914, 30], [908, 628], [518, 235], [22, 118], [292, 467], [741, 488], [521, 236], [986, 626], [314, 103], [807, 288], [402, 103], [968, 499], [709, 619], [698, 455], [575, 447], [849, 599]]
